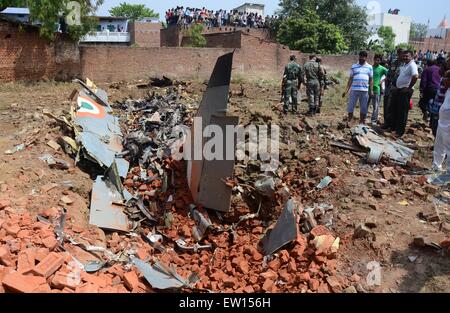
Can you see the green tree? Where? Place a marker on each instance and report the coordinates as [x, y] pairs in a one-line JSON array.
[[132, 11], [350, 18], [309, 34], [50, 12], [388, 38], [418, 31], [196, 39], [405, 46]]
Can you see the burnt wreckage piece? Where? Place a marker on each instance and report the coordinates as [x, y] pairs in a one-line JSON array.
[[205, 177]]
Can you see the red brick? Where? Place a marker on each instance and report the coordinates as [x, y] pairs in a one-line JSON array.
[[44, 288], [268, 285], [41, 253], [49, 264], [284, 256], [334, 284], [243, 266], [87, 288], [131, 280], [4, 203], [229, 282], [108, 289], [320, 230], [303, 277], [94, 279], [63, 280], [313, 284], [185, 231], [116, 270], [249, 289], [22, 283], [269, 275], [5, 257], [142, 254], [50, 242], [274, 264], [323, 288], [66, 290], [11, 229], [292, 266], [25, 260]]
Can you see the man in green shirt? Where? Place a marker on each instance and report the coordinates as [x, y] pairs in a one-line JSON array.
[[378, 72]]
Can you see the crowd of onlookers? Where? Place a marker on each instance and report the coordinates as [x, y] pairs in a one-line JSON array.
[[393, 81], [184, 17], [430, 55]]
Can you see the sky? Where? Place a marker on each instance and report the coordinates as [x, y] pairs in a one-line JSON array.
[[415, 8]]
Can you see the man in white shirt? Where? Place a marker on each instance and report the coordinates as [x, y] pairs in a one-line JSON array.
[[442, 143], [402, 95]]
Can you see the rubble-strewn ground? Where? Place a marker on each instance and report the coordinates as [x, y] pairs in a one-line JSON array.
[[387, 197]]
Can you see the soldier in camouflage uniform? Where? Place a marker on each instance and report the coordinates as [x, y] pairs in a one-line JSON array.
[[292, 80], [314, 75], [323, 84]]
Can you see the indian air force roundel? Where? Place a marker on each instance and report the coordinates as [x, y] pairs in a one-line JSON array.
[[89, 108]]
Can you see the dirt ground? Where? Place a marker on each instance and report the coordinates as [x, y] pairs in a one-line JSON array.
[[404, 267]]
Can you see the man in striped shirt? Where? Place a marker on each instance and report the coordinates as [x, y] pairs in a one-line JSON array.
[[361, 84]]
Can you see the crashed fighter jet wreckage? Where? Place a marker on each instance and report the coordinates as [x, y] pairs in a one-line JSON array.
[[99, 139], [167, 220]]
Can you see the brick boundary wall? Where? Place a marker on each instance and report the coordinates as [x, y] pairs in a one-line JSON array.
[[257, 59], [145, 34], [24, 55]]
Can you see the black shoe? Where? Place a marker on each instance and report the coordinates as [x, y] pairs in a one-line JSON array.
[[318, 111]]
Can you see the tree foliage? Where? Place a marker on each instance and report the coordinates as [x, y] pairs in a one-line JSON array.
[[196, 39], [132, 11], [418, 31], [349, 18], [387, 36], [405, 46], [309, 34], [48, 13]]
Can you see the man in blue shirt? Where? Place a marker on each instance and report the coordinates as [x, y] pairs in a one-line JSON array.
[[361, 84]]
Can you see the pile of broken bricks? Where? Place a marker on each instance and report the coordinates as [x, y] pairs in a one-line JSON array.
[[33, 260]]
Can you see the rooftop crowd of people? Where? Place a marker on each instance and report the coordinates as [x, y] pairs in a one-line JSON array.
[[184, 17]]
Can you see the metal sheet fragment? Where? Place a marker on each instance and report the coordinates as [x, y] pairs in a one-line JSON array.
[[285, 230], [368, 138]]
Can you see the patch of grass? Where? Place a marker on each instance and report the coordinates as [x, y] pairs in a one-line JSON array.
[[237, 79]]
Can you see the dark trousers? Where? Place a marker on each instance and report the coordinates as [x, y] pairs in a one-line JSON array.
[[434, 120], [428, 94], [387, 114], [399, 109]]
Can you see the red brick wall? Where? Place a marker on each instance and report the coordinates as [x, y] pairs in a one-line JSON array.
[[170, 37], [24, 55], [145, 34], [222, 40], [256, 59], [433, 44]]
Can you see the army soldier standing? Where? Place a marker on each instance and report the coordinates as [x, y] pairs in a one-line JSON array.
[[314, 75], [292, 80], [323, 84]]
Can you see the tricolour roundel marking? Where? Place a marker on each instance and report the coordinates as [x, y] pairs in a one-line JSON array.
[[89, 108]]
